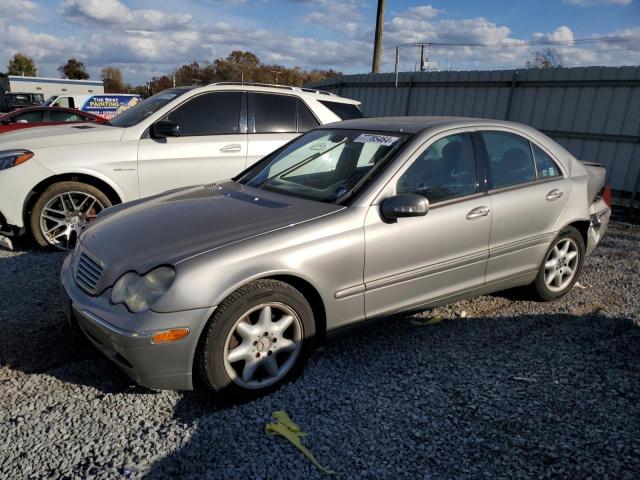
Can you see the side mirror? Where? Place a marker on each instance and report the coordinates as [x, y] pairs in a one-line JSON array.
[[5, 121], [164, 129], [404, 205]]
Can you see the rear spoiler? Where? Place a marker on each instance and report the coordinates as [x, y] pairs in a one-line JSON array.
[[597, 175]]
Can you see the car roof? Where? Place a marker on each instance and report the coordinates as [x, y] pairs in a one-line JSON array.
[[282, 89], [415, 124]]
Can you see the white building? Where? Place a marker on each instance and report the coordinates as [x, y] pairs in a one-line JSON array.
[[49, 86]]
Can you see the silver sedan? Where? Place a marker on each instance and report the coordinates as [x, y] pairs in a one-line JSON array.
[[236, 281]]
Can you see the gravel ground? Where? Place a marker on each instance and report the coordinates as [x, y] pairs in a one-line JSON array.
[[515, 389]]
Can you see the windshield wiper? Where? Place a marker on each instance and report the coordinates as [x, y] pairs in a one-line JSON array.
[[301, 164]]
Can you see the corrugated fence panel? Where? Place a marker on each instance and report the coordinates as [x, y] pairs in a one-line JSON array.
[[594, 112]]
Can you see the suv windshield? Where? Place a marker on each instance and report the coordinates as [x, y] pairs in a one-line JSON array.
[[142, 110], [324, 165]]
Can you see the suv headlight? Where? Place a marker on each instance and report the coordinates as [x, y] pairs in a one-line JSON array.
[[140, 292], [12, 158]]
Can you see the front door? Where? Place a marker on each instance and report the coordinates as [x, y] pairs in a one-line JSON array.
[[422, 259], [212, 145]]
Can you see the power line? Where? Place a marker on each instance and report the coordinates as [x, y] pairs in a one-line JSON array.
[[618, 39]]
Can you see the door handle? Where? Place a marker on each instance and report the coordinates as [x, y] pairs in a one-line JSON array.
[[478, 212], [232, 148], [554, 194]]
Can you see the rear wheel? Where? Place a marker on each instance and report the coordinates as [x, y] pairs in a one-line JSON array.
[[63, 211], [257, 340], [561, 265]]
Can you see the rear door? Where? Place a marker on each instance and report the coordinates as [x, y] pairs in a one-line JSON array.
[[212, 144], [528, 192], [275, 119]]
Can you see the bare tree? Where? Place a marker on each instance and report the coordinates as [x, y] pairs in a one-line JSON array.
[[546, 58]]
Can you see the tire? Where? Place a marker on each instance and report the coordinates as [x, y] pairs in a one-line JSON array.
[[73, 220], [224, 373], [562, 282]]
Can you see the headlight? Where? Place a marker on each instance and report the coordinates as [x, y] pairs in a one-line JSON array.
[[139, 293], [11, 158]]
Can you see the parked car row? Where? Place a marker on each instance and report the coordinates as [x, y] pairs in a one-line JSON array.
[[252, 230], [44, 116]]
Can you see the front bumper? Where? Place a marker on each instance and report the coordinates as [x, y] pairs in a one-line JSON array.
[[112, 330]]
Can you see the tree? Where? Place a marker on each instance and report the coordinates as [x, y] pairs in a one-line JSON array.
[[238, 66], [547, 58], [112, 80], [157, 84], [188, 74], [21, 64], [74, 69]]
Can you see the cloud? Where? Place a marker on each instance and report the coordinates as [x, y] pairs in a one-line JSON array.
[[18, 9], [560, 34], [114, 13], [155, 41], [591, 3]]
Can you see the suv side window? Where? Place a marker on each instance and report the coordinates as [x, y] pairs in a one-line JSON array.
[[510, 158], [545, 166], [445, 170], [274, 113], [209, 114]]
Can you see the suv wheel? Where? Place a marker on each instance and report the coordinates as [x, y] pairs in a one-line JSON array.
[[257, 340], [561, 265], [63, 211]]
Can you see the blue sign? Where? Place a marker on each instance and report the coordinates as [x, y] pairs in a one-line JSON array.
[[108, 106]]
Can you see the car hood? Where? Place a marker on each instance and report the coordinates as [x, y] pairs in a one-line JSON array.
[[175, 225], [60, 135]]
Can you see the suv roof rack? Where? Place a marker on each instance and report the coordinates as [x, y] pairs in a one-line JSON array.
[[273, 85]]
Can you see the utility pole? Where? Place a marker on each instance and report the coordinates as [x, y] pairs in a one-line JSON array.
[[422, 57], [377, 45]]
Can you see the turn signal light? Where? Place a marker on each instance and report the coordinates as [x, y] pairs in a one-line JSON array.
[[22, 158], [170, 335]]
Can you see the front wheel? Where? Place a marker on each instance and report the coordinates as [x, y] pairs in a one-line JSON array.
[[63, 211], [561, 265], [257, 340]]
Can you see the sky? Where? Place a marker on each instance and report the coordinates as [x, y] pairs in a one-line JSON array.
[[145, 38]]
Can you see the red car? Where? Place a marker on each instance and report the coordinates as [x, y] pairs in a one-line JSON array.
[[42, 116]]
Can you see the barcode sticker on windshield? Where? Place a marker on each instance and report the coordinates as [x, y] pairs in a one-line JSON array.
[[166, 96], [386, 140]]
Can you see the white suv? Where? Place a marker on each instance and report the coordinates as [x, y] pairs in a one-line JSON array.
[[55, 180]]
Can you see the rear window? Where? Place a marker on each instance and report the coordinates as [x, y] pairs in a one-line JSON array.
[[345, 111]]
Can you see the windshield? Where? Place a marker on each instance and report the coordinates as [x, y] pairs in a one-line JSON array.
[[324, 165], [50, 100], [142, 110]]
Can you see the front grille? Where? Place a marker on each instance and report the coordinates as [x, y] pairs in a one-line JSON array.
[[88, 273]]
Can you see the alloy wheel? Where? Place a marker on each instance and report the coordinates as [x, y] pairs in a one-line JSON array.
[[263, 345], [66, 215], [561, 265]]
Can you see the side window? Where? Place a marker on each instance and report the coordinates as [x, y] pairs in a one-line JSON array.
[[306, 120], [447, 169], [209, 114], [274, 113], [345, 111], [545, 166], [64, 102], [63, 117], [510, 158], [28, 117]]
